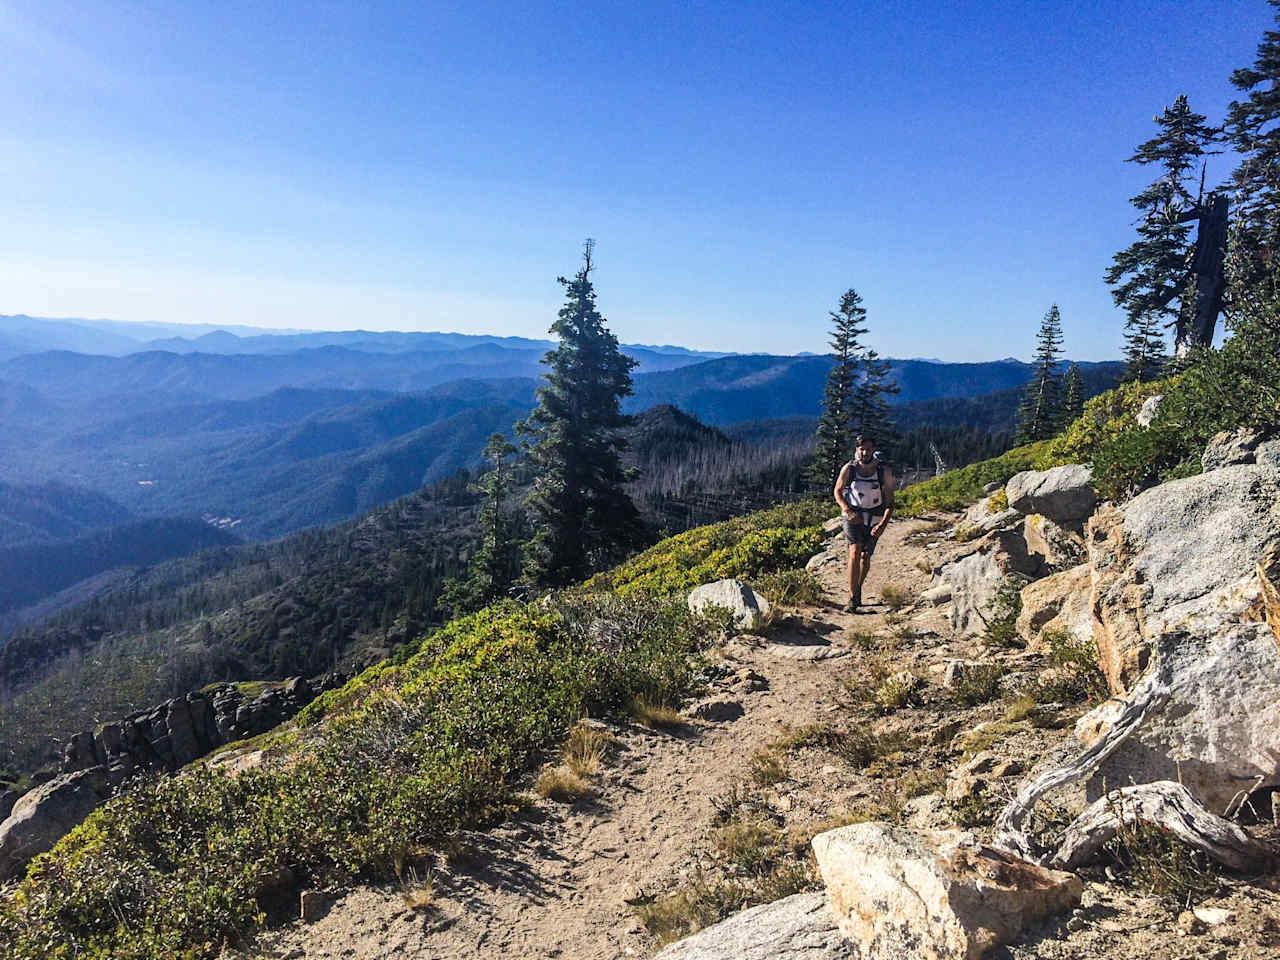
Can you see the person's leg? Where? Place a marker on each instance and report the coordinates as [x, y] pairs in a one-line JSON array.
[[857, 572]]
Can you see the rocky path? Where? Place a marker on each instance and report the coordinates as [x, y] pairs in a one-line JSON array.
[[555, 880], [560, 880]]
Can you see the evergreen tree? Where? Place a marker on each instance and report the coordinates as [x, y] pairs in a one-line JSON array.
[[836, 425], [871, 404], [1253, 130], [1038, 416], [494, 566], [1072, 396], [1152, 273], [580, 514]]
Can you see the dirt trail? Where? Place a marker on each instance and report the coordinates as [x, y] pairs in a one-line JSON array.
[[555, 881]]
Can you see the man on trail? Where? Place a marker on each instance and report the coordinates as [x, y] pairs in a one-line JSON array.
[[864, 491]]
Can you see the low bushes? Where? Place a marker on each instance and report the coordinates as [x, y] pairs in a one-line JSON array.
[[959, 488], [744, 547], [404, 756]]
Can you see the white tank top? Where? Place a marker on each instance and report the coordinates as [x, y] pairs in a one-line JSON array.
[[863, 493]]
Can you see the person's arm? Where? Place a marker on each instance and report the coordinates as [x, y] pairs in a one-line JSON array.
[[887, 492], [842, 481]]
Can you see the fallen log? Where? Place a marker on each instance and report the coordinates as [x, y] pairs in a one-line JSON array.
[[1164, 804]]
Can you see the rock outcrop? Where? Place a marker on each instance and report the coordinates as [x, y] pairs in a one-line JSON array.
[[1156, 560], [1060, 546], [1218, 732], [976, 578], [44, 815], [900, 894], [1232, 448], [1062, 601], [1062, 494], [166, 738], [171, 735], [799, 927], [747, 606], [1149, 410]]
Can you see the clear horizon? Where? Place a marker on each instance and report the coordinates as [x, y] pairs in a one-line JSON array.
[[739, 165]]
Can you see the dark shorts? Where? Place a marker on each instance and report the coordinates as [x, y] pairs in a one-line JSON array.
[[859, 535]]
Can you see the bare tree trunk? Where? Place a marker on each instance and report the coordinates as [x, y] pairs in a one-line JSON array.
[[1196, 325], [1165, 804]]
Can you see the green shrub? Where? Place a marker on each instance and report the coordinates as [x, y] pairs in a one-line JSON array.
[[1105, 418], [789, 587], [1230, 388], [402, 757], [746, 547], [979, 684], [958, 488], [1002, 614], [1079, 677]]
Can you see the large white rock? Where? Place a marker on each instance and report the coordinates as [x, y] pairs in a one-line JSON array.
[[747, 606], [976, 578], [1149, 410], [1061, 601], [901, 894], [44, 815], [1061, 547], [799, 927], [1160, 557], [1219, 731], [1063, 494]]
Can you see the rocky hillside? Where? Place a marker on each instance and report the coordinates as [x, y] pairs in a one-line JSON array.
[[852, 785], [802, 787]]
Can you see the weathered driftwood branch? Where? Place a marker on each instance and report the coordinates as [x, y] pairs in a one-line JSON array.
[[1147, 697], [1165, 804]]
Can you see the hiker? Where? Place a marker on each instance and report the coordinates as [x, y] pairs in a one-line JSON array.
[[864, 492]]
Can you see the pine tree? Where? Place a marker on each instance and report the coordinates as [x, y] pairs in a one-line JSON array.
[[1253, 130], [580, 514], [836, 425], [1152, 273], [1038, 416], [1072, 397], [495, 565], [871, 404]]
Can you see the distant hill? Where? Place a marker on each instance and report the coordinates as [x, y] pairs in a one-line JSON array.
[[30, 572], [41, 512], [733, 389]]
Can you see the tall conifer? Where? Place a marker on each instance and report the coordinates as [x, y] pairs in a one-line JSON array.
[[1253, 130], [1072, 396], [1150, 276], [871, 403], [581, 517], [1038, 416], [836, 425]]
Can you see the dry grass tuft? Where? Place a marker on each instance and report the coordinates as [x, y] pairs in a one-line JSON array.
[[895, 596], [419, 892], [979, 684], [863, 639], [587, 749], [656, 716], [561, 784], [748, 843], [767, 768], [897, 691], [1020, 708]]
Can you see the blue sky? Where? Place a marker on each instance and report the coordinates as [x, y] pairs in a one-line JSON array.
[[435, 166]]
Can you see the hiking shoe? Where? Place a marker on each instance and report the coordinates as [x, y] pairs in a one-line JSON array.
[[850, 607]]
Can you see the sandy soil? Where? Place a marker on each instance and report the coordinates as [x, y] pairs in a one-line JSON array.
[[560, 880]]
